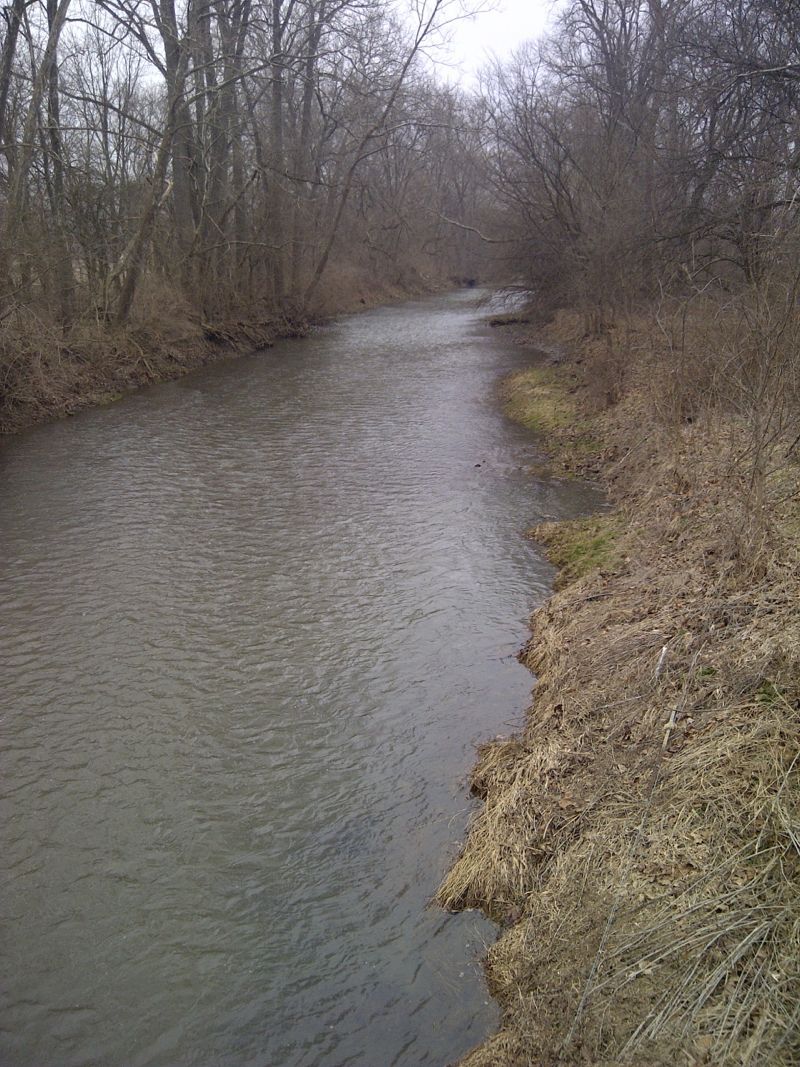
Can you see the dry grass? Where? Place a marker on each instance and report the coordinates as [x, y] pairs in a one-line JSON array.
[[47, 372], [640, 841]]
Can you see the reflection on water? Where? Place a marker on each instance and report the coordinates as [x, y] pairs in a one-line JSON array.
[[253, 622]]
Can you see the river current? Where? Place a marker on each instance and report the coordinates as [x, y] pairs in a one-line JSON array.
[[253, 623]]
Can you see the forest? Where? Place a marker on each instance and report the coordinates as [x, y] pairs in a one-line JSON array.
[[218, 166], [238, 160], [223, 165]]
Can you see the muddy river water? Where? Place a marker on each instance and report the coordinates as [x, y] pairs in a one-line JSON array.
[[252, 624]]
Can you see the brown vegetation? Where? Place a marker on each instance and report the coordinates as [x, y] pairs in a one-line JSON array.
[[45, 373], [640, 839]]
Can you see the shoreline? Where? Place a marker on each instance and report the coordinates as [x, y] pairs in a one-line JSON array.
[[95, 365], [635, 840], [100, 367]]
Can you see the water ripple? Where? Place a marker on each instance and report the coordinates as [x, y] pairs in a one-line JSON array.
[[252, 623]]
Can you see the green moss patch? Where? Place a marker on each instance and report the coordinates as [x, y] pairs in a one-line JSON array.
[[541, 398], [538, 399], [579, 546]]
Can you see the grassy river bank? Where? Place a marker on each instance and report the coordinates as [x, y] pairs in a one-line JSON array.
[[638, 841]]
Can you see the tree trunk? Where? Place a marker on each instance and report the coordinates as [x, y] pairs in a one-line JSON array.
[[182, 151], [130, 264], [13, 20], [23, 161], [301, 159], [65, 279], [277, 178]]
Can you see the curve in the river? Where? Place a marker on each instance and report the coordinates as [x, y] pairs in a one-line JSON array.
[[252, 624]]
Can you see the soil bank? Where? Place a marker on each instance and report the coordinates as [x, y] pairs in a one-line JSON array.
[[47, 373], [638, 840]]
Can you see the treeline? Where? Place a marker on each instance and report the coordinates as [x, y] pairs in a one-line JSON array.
[[645, 161], [236, 157], [230, 161], [649, 142]]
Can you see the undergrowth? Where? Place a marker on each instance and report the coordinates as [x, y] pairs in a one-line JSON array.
[[48, 372]]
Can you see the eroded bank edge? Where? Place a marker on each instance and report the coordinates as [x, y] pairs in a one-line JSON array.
[[637, 842]]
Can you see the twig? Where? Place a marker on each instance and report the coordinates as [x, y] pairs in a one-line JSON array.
[[676, 711]]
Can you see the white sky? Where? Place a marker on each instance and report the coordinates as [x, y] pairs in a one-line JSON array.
[[496, 32]]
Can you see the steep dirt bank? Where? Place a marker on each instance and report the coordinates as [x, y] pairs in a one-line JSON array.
[[47, 374], [639, 840]]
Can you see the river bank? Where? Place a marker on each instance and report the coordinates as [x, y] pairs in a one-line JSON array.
[[637, 840], [48, 374]]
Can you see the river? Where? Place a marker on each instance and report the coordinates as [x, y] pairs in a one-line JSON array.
[[253, 623]]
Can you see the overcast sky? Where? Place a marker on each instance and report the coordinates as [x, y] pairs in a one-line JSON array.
[[497, 33]]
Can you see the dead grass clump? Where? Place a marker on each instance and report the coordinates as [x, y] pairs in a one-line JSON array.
[[513, 835], [501, 1048], [726, 941]]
